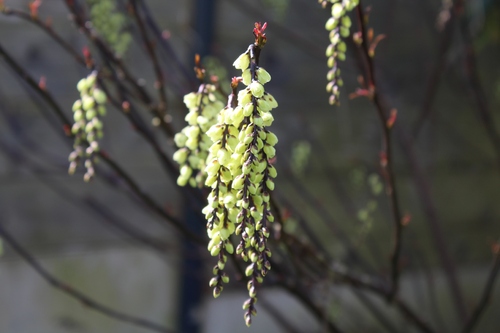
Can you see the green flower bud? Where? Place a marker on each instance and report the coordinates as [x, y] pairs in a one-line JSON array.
[[263, 106], [224, 234], [258, 121], [182, 180], [238, 182], [82, 85], [263, 76], [267, 119], [329, 50], [78, 115], [230, 250], [180, 139], [271, 170], [270, 184], [211, 179], [337, 10], [215, 251], [344, 32], [232, 142], [270, 151], [99, 96], [248, 109], [77, 105], [346, 21], [244, 97], [271, 139], [90, 114], [213, 282], [246, 77], [249, 270], [88, 102], [331, 24], [101, 110], [270, 99], [242, 62], [186, 171], [331, 62], [257, 89], [192, 100], [217, 291]]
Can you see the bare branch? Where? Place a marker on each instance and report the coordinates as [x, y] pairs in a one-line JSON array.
[[69, 290]]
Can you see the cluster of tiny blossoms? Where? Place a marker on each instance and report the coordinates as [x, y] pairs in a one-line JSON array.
[[241, 175], [338, 25], [192, 141], [87, 128]]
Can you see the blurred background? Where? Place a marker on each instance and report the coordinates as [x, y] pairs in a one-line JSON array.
[[437, 66]]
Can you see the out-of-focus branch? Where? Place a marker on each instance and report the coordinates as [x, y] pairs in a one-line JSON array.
[[160, 80], [69, 290], [104, 156], [477, 89], [439, 67], [144, 97], [46, 27], [487, 292], [387, 159]]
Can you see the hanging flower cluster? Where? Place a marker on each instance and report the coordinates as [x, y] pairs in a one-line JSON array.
[[241, 175], [87, 128], [192, 141], [338, 25]]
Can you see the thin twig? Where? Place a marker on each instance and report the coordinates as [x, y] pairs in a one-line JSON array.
[[487, 292], [109, 54], [439, 67], [477, 89], [160, 80], [387, 160], [69, 290], [46, 28], [45, 94]]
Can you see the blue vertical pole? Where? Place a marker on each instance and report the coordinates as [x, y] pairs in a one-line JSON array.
[[193, 279]]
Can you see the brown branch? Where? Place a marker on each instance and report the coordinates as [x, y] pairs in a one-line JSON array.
[[47, 97], [47, 29], [160, 111], [145, 98], [487, 292], [361, 282], [439, 67], [303, 43], [425, 194], [477, 89], [387, 158], [78, 295]]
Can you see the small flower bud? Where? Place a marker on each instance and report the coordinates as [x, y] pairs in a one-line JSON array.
[[257, 89], [242, 62]]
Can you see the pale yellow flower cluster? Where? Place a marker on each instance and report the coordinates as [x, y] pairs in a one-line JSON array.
[[193, 141], [338, 25], [87, 127]]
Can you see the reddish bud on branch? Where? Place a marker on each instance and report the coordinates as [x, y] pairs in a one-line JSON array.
[[392, 118], [34, 5], [260, 35]]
